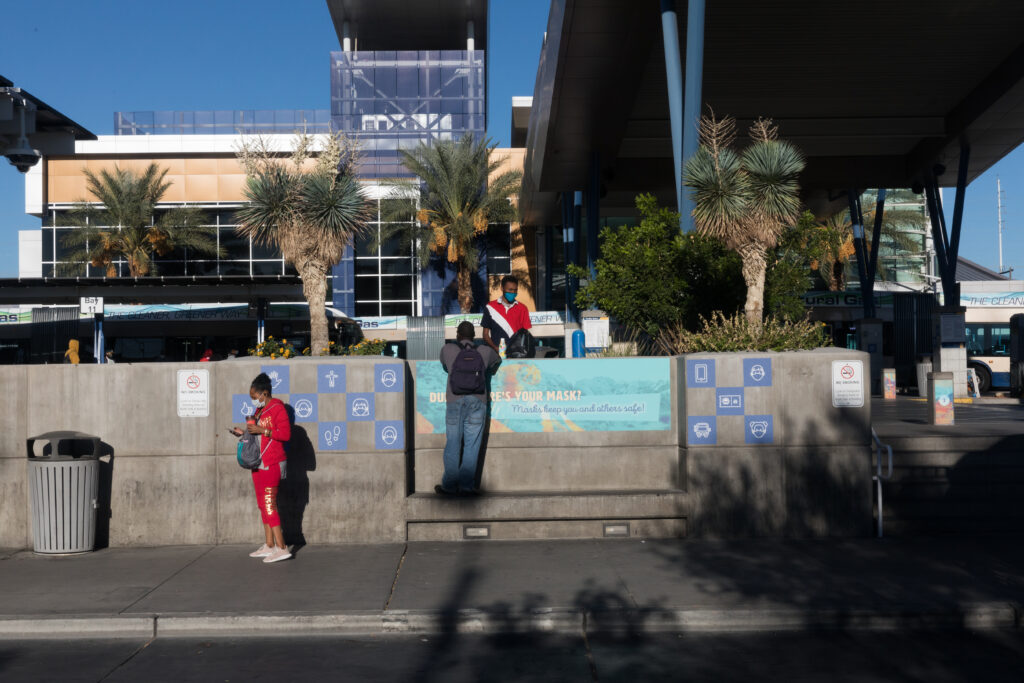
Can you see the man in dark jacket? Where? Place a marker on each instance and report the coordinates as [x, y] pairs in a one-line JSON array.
[[468, 367]]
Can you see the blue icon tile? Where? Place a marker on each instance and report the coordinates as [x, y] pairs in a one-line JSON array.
[[332, 436], [388, 377], [700, 373], [305, 407], [330, 379], [701, 430], [241, 408], [279, 378], [729, 401], [758, 429], [757, 372], [389, 434], [360, 407]]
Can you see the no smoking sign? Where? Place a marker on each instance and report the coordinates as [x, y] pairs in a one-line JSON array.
[[193, 393]]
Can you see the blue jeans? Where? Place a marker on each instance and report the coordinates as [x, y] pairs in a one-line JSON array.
[[464, 421]]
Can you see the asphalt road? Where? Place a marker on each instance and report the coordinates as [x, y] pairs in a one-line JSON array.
[[935, 657]]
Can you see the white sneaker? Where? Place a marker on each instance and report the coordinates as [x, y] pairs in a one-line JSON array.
[[276, 555], [262, 551]]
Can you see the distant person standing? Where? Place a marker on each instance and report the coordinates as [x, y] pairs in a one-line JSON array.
[[467, 366], [109, 355], [71, 355], [232, 354], [504, 316]]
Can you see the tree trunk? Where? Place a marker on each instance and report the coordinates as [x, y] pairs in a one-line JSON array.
[[314, 287], [465, 288], [755, 265]]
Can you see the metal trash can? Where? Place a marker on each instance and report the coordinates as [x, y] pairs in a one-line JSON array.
[[63, 485]]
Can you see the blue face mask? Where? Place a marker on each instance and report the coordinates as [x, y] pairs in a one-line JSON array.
[[510, 297]]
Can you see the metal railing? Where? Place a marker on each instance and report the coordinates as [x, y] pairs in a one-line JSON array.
[[878, 477]]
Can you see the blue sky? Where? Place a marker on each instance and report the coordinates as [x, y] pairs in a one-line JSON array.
[[90, 59]]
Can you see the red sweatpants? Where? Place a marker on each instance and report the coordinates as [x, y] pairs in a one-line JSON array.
[[266, 483]]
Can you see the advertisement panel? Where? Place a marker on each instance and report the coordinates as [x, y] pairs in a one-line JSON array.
[[560, 395]]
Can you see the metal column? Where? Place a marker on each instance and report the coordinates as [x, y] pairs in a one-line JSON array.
[[593, 215], [694, 93], [674, 72]]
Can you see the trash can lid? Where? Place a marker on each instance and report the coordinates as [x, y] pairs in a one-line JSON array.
[[58, 437]]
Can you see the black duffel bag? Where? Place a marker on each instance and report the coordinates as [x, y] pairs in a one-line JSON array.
[[521, 345]]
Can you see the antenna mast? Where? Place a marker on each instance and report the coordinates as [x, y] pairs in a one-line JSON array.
[[999, 206], [1000, 203]]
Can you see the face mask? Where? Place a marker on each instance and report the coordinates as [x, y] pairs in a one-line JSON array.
[[258, 403], [510, 297]]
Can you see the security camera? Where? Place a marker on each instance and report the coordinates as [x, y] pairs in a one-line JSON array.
[[21, 156]]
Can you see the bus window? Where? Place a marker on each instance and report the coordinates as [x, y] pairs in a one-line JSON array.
[[999, 340], [975, 339]]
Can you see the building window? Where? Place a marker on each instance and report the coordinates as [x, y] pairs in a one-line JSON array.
[[499, 249], [385, 267]]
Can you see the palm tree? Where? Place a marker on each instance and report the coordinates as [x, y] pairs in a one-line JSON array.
[[310, 211], [744, 199], [836, 243], [460, 194], [125, 224]]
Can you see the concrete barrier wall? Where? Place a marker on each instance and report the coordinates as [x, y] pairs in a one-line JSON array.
[[174, 480], [780, 458]]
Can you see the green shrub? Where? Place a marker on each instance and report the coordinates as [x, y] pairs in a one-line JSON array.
[[735, 333], [650, 276]]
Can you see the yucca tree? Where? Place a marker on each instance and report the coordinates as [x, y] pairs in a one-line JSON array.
[[308, 206], [123, 223], [745, 198], [460, 193]]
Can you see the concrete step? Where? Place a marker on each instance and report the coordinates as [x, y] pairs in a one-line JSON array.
[[547, 515]]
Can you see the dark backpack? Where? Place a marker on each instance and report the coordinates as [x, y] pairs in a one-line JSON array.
[[468, 373], [521, 345]]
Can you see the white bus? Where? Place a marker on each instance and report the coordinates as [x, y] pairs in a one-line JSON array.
[[988, 353]]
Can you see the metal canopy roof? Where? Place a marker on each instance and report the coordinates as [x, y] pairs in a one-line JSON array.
[[871, 91], [151, 290], [410, 24]]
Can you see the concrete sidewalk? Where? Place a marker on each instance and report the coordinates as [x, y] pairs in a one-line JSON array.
[[508, 587]]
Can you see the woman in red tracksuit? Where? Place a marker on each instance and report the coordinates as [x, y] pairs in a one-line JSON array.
[[271, 423]]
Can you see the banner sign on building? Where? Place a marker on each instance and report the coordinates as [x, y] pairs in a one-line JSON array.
[[843, 299], [559, 395], [992, 299]]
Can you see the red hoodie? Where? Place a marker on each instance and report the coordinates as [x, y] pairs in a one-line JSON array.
[[275, 418]]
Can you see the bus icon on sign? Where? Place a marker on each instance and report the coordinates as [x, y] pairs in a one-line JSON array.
[[702, 430], [730, 401]]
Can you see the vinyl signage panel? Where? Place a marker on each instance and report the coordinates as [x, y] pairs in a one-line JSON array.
[[193, 393], [561, 395], [847, 384]]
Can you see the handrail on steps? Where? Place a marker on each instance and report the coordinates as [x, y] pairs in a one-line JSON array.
[[878, 477]]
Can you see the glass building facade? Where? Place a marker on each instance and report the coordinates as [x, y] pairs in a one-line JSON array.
[[396, 100], [391, 101], [243, 121]]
